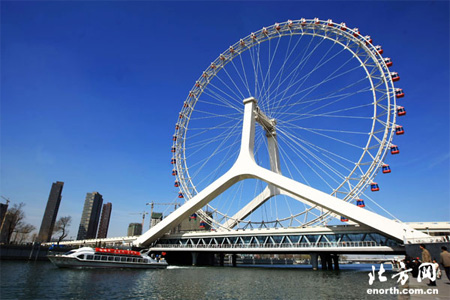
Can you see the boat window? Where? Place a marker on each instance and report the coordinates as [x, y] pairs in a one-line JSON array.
[[81, 256], [117, 258], [129, 259], [97, 257], [70, 252], [111, 258], [90, 257], [104, 257], [123, 259]]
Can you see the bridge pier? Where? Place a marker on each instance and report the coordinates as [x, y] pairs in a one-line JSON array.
[[233, 260], [314, 261], [194, 258], [327, 261], [336, 261], [221, 259]]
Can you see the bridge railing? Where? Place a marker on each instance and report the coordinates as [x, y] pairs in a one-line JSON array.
[[273, 245]]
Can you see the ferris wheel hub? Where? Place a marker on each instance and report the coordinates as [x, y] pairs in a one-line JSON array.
[[260, 117]]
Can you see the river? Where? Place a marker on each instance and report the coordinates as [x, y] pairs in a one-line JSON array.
[[42, 280]]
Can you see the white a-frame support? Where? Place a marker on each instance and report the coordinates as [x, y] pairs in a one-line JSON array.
[[246, 167]]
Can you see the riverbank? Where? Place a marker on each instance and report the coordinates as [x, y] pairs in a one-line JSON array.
[[23, 252]]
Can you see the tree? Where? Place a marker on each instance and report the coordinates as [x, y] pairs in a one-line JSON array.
[[21, 233], [13, 221], [61, 226]]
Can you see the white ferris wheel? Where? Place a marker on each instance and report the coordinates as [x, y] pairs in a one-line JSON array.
[[325, 117]]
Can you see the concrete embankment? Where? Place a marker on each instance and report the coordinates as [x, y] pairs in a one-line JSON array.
[[23, 252]]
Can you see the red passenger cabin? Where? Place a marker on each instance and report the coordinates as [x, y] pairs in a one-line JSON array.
[[388, 62], [401, 111], [180, 195], [374, 187], [176, 184], [174, 172], [360, 203], [394, 149], [379, 49], [386, 169], [395, 76], [399, 130], [173, 161], [399, 93], [344, 219]]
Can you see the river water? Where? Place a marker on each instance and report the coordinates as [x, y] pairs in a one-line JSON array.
[[42, 280]]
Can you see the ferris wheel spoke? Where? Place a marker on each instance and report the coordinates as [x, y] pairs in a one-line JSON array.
[[245, 79], [217, 95], [224, 102], [292, 76], [233, 90], [312, 88], [316, 67], [304, 158], [280, 72], [329, 96], [300, 82], [316, 159], [324, 150]]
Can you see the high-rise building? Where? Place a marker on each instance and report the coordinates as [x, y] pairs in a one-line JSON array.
[[104, 221], [90, 216], [155, 219], [51, 211], [134, 229]]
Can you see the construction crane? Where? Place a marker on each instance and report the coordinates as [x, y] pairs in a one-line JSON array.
[[152, 205], [143, 217], [7, 199]]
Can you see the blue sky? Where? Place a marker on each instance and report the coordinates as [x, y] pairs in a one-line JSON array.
[[90, 93]]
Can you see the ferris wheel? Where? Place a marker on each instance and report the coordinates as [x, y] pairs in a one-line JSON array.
[[326, 104]]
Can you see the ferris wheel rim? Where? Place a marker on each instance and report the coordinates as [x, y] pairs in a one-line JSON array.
[[188, 188]]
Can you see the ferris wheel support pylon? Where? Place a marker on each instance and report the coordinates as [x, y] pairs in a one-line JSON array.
[[246, 167]]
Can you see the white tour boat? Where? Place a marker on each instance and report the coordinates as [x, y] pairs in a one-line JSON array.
[[87, 257]]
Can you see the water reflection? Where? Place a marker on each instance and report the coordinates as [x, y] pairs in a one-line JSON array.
[[41, 280]]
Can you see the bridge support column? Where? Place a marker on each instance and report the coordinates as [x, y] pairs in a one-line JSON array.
[[194, 258], [221, 259], [314, 261], [336, 261], [233, 260], [326, 260]]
